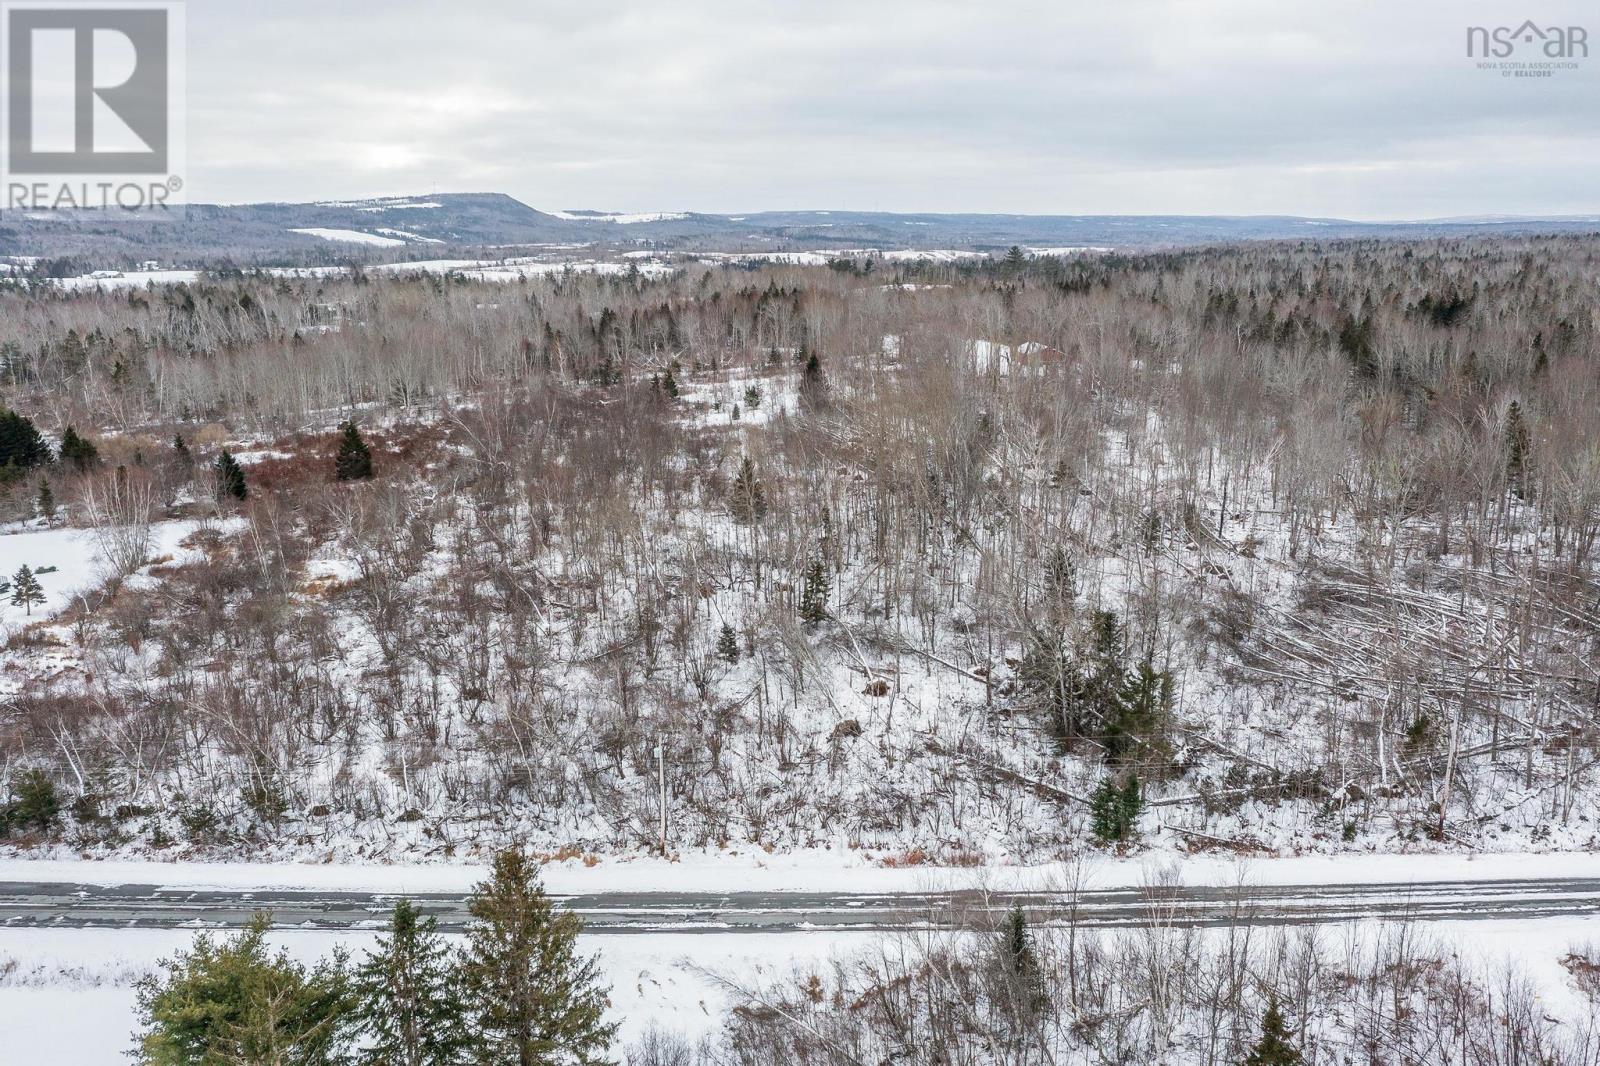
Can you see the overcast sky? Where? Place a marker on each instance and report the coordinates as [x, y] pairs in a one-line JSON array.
[[1368, 110]]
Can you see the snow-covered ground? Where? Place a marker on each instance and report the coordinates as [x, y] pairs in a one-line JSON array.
[[624, 218], [67, 997], [74, 558], [350, 236], [813, 871]]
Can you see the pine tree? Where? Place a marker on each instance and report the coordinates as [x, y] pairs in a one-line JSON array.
[[21, 445], [536, 1001], [78, 451], [180, 450], [46, 500], [728, 645], [1015, 260], [669, 384], [230, 477], [354, 459], [814, 596], [747, 499], [1274, 1048], [26, 591], [408, 1002]]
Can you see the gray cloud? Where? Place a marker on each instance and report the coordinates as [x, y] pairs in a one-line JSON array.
[[1146, 106]]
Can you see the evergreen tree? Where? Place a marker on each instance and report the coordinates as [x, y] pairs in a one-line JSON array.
[[35, 803], [1274, 1048], [728, 645], [536, 1001], [1015, 260], [1022, 978], [813, 382], [230, 477], [233, 1003], [1137, 723], [180, 450], [1114, 810], [21, 445], [747, 499], [814, 596], [46, 500], [354, 459], [669, 384], [78, 451], [1517, 444], [408, 1002], [26, 592]]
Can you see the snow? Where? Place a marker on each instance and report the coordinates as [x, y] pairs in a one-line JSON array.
[[1069, 249], [382, 203], [620, 217], [352, 236], [127, 279], [813, 870], [76, 556], [67, 996], [517, 268], [407, 235]]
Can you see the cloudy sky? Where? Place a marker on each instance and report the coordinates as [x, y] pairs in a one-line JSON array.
[[1357, 110]]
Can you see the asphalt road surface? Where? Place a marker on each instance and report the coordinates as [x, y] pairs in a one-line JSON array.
[[38, 904]]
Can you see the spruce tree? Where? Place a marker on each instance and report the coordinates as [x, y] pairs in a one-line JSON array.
[[21, 445], [814, 596], [408, 1003], [46, 500], [728, 645], [230, 477], [354, 459], [1114, 810], [1274, 1048], [535, 1001], [78, 451], [180, 450], [1517, 444], [26, 591], [1022, 975], [233, 1002]]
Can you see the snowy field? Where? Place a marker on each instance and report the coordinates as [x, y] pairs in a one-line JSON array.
[[73, 557]]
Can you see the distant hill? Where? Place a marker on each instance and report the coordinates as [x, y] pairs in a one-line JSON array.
[[448, 224]]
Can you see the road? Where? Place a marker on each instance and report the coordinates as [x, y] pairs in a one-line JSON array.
[[35, 904]]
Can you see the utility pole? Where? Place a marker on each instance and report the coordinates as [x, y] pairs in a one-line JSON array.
[[661, 776]]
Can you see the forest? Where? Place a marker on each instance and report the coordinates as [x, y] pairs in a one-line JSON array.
[[1255, 548]]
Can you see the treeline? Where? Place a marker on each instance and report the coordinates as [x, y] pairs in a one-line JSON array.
[[518, 991], [1295, 539]]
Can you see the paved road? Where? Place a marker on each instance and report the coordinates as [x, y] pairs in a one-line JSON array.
[[146, 906]]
